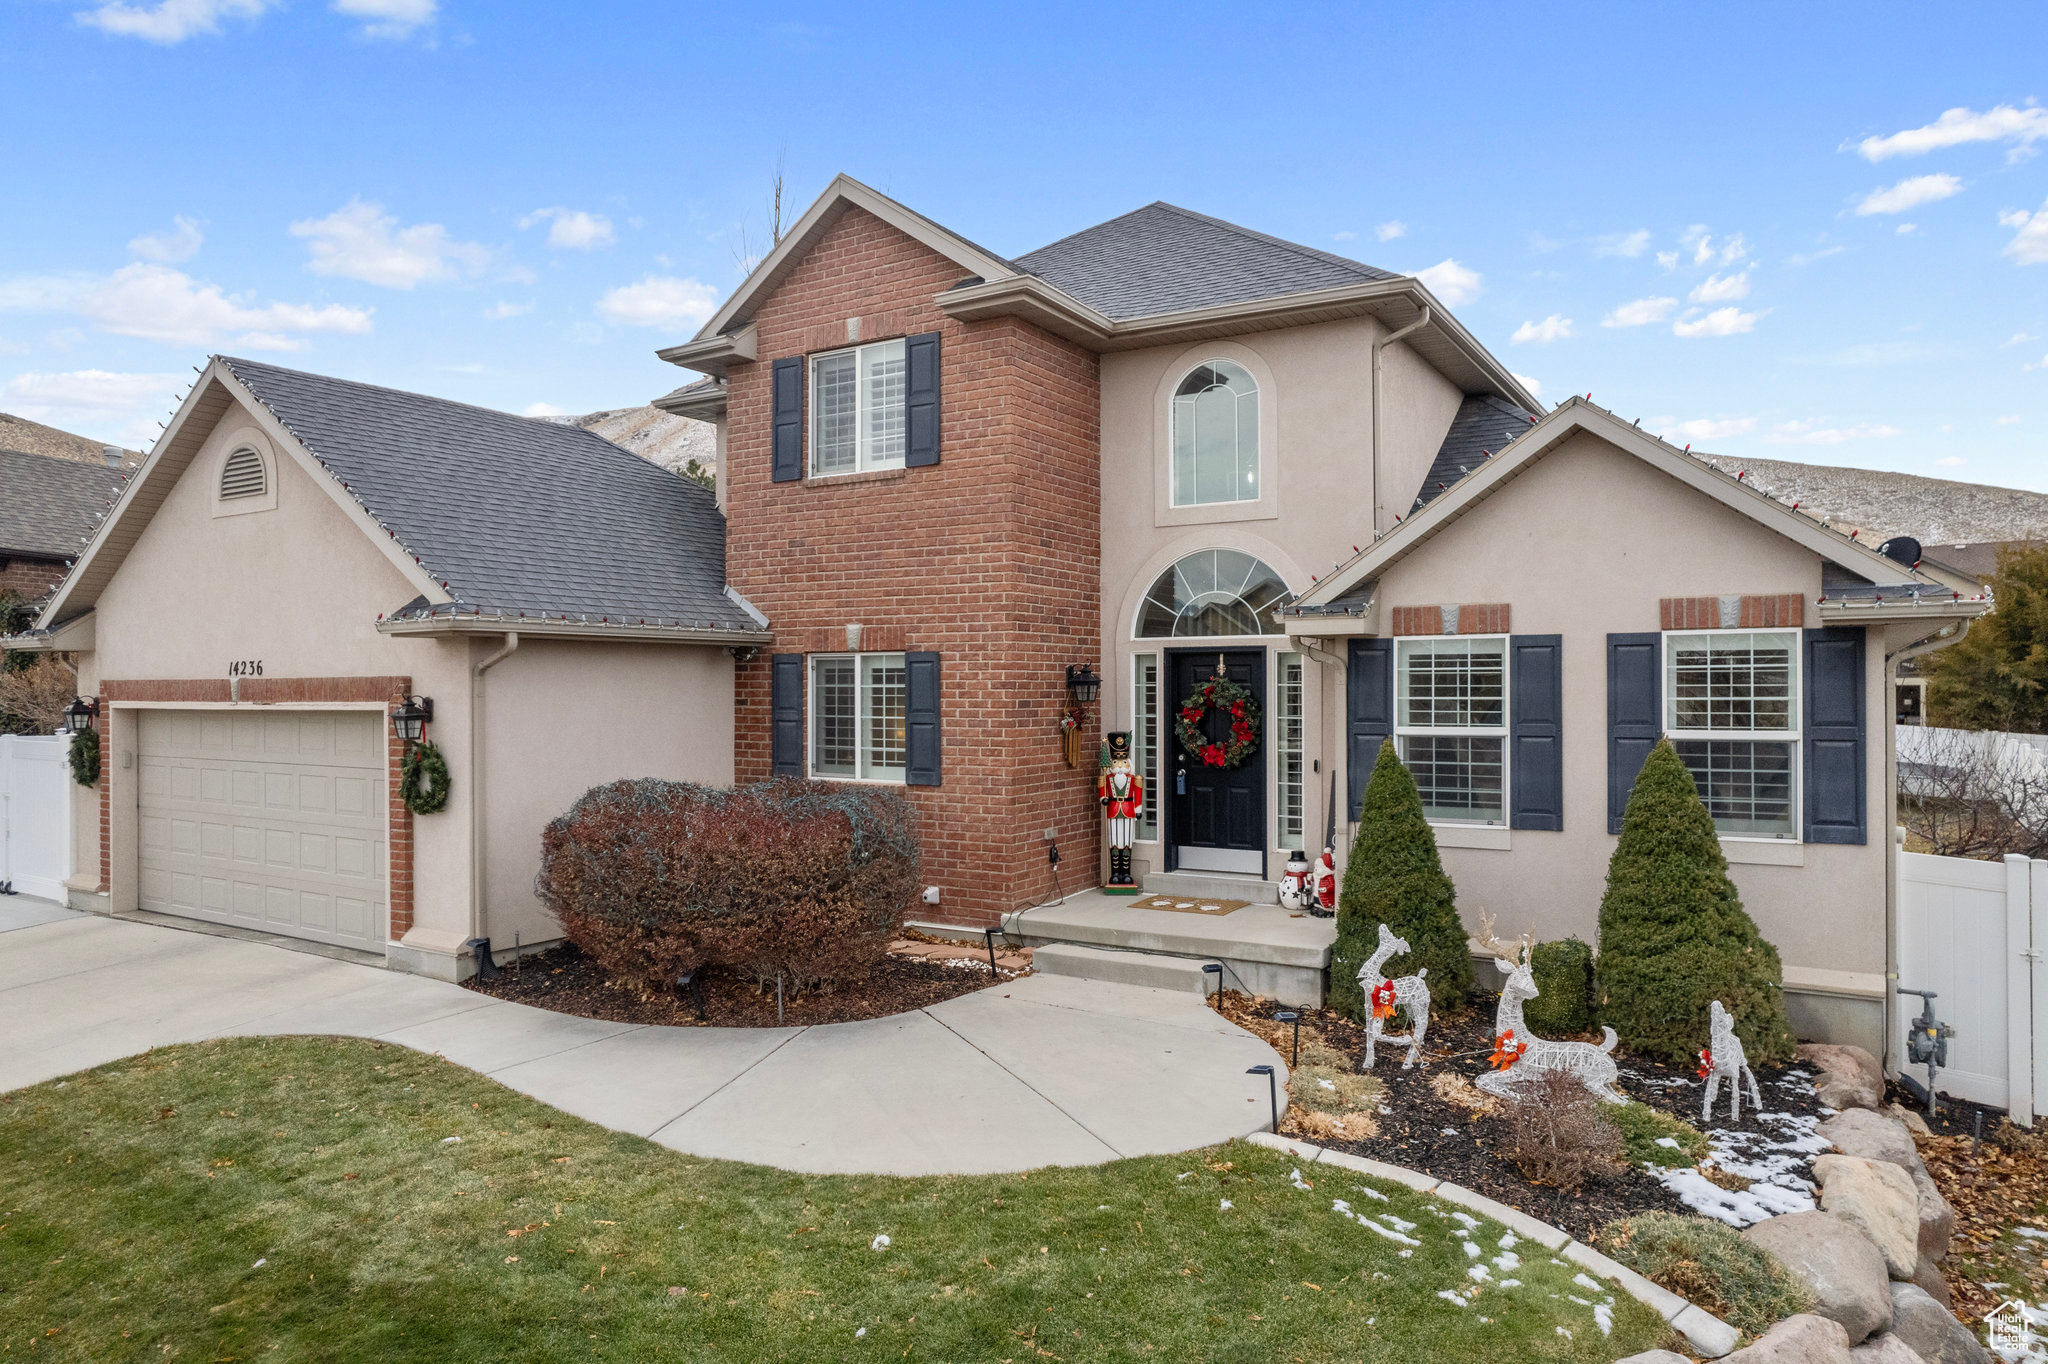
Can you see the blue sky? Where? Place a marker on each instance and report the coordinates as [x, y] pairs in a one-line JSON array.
[[1760, 228]]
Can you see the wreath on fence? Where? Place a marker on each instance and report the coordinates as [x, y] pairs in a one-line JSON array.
[[1219, 692], [85, 757], [424, 779]]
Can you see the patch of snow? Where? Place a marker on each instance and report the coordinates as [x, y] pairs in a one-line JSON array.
[[861, 1332], [1603, 1317], [1394, 1221], [260, 1263], [2034, 1232], [1510, 1283], [1477, 1273], [1373, 1193], [1776, 1162], [1507, 1240], [1451, 1295], [1587, 1281], [1566, 1334], [1450, 1131], [879, 1243], [1182, 1175], [1507, 1260], [1465, 1220], [1405, 1253], [1472, 1252], [1671, 1142], [1327, 1085], [1583, 1302], [446, 1140], [1225, 1206], [1339, 1205], [1390, 1234]]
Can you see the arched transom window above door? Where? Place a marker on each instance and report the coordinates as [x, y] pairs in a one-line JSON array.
[[1212, 592], [1215, 436]]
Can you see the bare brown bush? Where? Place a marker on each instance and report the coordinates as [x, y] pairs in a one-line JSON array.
[[1556, 1132], [32, 699]]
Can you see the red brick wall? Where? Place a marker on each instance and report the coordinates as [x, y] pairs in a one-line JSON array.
[[1474, 618], [991, 559], [30, 579], [1783, 610]]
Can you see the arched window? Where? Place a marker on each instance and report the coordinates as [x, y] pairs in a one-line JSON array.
[[1212, 592], [242, 475], [1215, 436]]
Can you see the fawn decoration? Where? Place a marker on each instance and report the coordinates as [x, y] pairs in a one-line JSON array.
[[1724, 1058], [1518, 1055], [1383, 997]]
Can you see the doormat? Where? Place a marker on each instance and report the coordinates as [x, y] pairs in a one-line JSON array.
[[1196, 905]]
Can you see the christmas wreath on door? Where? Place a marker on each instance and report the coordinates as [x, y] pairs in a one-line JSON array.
[[1219, 693]]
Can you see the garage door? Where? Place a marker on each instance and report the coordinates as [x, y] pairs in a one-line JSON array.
[[272, 820]]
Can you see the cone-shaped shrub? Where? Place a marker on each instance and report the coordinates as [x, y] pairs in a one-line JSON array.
[[1395, 877], [1673, 934]]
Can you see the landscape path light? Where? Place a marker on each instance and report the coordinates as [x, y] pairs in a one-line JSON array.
[[1272, 1092]]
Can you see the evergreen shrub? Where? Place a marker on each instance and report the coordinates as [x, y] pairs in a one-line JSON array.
[[1563, 1006], [1710, 1265]]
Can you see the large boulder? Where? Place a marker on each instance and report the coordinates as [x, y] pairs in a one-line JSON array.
[[1850, 1077], [1833, 1258], [1802, 1339], [1928, 1275], [1860, 1132], [1930, 1332], [1878, 1197], [1937, 1218], [1884, 1349]]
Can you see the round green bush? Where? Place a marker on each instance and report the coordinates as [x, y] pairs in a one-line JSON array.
[[1563, 1006], [1710, 1265]]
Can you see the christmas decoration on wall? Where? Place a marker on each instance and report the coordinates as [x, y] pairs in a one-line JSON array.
[[1724, 1059], [1295, 890], [1219, 693], [1518, 1054], [424, 779], [1121, 792], [85, 757], [1385, 996], [1071, 721]]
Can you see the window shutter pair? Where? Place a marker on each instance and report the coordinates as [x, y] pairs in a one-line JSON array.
[[920, 409], [920, 715]]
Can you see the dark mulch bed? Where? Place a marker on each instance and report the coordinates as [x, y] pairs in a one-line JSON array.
[[1423, 1132], [566, 981]]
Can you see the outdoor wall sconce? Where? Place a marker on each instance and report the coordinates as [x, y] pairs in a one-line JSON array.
[[1082, 684], [410, 718], [78, 716]]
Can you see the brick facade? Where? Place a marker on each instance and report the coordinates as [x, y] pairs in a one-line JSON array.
[[275, 691], [1471, 618], [30, 579], [1781, 611], [991, 558]]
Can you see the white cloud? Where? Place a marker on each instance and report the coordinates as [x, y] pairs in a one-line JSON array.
[[168, 21], [1720, 322], [2029, 245], [1387, 231], [1347, 235], [1811, 256], [2007, 421], [1641, 313], [121, 406], [1704, 251], [43, 293], [1812, 433], [498, 312], [182, 242], [2021, 338], [361, 241], [543, 410], [2041, 364], [1534, 386], [1721, 288], [2021, 127], [1668, 259], [1702, 428], [1451, 282], [390, 18], [660, 301], [1626, 244], [1555, 327], [1908, 194], [572, 229], [1907, 229], [158, 303], [1951, 461]]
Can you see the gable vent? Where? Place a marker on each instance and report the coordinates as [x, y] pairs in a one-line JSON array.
[[242, 475]]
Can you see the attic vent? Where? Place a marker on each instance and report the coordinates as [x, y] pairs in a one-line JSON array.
[[242, 475]]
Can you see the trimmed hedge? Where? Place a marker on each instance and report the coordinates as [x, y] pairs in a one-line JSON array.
[[807, 879], [1563, 1006]]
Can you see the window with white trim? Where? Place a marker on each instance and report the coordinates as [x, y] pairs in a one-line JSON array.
[[1145, 740], [1451, 724], [1290, 748], [1215, 436], [857, 409], [857, 716], [1731, 709]]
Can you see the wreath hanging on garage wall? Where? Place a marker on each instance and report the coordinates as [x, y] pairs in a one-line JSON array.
[[424, 779], [1219, 693], [85, 757]]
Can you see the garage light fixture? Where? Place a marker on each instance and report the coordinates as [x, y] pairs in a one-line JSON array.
[[78, 716], [1082, 684], [410, 718]]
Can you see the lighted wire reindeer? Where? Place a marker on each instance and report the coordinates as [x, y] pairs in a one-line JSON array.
[[1518, 1054], [1383, 996], [1724, 1057]]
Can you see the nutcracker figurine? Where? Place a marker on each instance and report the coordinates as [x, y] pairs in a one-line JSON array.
[[1122, 793], [1294, 883], [1324, 904]]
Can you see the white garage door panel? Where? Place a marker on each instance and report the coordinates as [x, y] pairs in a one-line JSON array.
[[273, 821]]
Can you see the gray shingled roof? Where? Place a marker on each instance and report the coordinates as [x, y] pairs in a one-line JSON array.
[[514, 514], [1163, 259], [1483, 426], [48, 504]]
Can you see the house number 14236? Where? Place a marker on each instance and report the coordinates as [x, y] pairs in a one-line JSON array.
[[246, 667]]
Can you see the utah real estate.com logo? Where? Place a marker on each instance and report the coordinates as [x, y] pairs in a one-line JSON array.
[[2007, 1331]]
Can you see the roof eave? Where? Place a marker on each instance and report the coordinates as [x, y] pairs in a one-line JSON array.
[[706, 404], [76, 635], [536, 627], [712, 354], [1034, 300], [1837, 611]]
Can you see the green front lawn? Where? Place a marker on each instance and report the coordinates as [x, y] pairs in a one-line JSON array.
[[298, 1199]]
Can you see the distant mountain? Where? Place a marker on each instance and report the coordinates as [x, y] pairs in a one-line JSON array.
[[34, 438], [1934, 511], [660, 437]]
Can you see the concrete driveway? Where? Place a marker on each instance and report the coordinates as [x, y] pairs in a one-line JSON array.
[[1041, 1071]]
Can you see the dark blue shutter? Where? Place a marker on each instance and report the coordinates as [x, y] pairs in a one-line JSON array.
[[1536, 731], [786, 715], [921, 400], [787, 419], [921, 719], [1368, 712], [1635, 714], [1834, 737]]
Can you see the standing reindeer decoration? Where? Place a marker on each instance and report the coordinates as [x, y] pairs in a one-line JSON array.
[[1518, 1055], [1383, 996], [1724, 1057]]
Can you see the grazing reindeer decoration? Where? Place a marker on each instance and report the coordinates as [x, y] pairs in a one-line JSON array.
[[1724, 1057], [1519, 1053], [1405, 992]]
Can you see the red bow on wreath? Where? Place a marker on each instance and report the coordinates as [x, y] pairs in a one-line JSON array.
[[1506, 1051], [1706, 1063], [1383, 999]]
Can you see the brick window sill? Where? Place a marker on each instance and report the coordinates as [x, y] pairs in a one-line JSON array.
[[855, 480]]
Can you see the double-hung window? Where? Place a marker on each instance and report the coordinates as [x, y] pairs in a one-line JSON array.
[[1732, 712], [857, 409], [857, 716], [1451, 724]]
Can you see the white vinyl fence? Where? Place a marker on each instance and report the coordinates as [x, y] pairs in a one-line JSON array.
[[35, 813], [1977, 932]]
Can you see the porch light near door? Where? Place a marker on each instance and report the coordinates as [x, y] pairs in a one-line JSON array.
[[410, 718], [1082, 684], [78, 716]]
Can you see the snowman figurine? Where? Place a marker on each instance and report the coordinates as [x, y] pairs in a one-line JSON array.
[[1295, 892]]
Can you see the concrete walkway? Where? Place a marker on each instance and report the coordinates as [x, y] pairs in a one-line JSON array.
[[1039, 1071]]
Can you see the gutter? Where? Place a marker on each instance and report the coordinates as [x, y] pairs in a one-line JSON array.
[[1379, 509], [479, 926], [620, 631]]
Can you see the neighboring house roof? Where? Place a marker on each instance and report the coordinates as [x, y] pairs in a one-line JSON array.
[[48, 505], [1483, 427], [1977, 561], [1163, 259], [34, 438]]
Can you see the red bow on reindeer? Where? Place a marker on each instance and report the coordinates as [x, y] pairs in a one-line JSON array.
[[1706, 1063], [1506, 1051], [1383, 999]]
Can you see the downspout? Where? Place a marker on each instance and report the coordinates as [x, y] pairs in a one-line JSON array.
[[1379, 509], [479, 929]]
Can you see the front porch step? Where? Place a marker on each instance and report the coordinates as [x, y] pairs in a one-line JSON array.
[[1263, 949], [1211, 885], [1120, 968]]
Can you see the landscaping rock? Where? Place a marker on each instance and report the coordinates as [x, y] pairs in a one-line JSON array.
[[1878, 1197], [1928, 1275], [1804, 1339], [1884, 1349], [1937, 1218], [1915, 1124], [1849, 1076], [1833, 1258], [1874, 1136], [1930, 1332], [1655, 1357]]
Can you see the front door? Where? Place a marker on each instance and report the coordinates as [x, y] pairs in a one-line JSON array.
[[1216, 817]]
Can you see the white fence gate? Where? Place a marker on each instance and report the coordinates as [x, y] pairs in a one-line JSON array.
[[1977, 932], [35, 813]]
